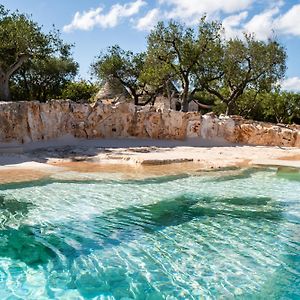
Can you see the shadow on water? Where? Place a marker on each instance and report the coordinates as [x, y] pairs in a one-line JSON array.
[[221, 175], [13, 206], [183, 209], [288, 173], [36, 244], [12, 211], [237, 174], [21, 243], [241, 201], [48, 181], [157, 179]]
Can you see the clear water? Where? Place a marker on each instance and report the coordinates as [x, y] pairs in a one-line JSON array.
[[213, 236]]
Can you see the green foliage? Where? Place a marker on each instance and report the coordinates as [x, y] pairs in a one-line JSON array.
[[80, 91], [282, 107], [253, 63], [237, 76], [178, 52], [43, 79], [121, 64], [173, 46], [275, 106], [19, 36], [242, 65], [35, 65], [129, 69], [205, 61]]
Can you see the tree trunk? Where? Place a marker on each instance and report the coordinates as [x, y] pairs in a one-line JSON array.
[[4, 88], [29, 96], [5, 75], [169, 95], [136, 99], [185, 97], [229, 108]]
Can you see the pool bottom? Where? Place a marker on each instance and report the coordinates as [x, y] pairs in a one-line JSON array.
[[178, 237]]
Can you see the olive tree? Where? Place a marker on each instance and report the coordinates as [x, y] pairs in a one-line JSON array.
[[173, 48], [45, 75], [243, 64], [80, 91], [33, 63], [129, 69], [21, 38], [179, 50]]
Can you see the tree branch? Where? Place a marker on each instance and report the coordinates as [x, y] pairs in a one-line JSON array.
[[16, 65], [214, 92], [201, 105]]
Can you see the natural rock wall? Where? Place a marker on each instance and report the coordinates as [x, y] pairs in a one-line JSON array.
[[25, 122]]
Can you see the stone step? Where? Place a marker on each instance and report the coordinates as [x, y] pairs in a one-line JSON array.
[[12, 149]]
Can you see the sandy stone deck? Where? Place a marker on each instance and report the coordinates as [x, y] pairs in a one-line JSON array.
[[136, 158]]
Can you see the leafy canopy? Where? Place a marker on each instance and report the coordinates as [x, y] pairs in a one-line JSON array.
[[34, 65], [79, 91], [129, 69], [244, 64], [44, 76], [19, 36]]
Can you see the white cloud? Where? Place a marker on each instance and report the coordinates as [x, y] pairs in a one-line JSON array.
[[262, 24], [289, 22], [232, 24], [149, 20], [191, 10], [291, 84], [85, 21], [95, 17], [265, 24]]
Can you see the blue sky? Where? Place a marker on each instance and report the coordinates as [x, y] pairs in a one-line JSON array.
[[94, 25]]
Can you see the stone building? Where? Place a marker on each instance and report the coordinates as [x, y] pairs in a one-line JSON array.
[[113, 91]]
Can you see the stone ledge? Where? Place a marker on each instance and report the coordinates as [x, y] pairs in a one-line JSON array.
[[11, 150]]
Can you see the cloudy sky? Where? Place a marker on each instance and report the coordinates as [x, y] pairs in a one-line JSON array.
[[94, 25]]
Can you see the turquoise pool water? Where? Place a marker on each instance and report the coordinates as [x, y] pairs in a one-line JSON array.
[[217, 235]]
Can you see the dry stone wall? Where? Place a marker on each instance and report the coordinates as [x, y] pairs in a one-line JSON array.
[[26, 122]]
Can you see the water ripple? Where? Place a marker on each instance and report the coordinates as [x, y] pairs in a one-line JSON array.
[[178, 237]]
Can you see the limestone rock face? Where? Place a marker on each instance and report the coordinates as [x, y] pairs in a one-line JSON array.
[[259, 133], [25, 122]]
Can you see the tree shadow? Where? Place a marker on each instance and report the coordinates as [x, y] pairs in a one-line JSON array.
[[237, 174], [37, 245], [13, 206], [85, 149], [289, 173], [34, 245]]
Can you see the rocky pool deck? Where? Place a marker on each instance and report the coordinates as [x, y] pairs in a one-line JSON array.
[[134, 158], [63, 137]]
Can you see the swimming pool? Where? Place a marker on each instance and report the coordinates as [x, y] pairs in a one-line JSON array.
[[212, 235]]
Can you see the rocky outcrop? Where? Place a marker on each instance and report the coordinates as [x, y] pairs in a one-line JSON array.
[[26, 122], [235, 129]]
